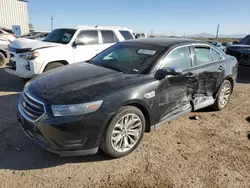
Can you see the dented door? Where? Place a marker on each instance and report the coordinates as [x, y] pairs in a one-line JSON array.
[[174, 94]]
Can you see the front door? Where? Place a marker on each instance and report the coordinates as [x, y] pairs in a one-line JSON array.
[[174, 93], [90, 48]]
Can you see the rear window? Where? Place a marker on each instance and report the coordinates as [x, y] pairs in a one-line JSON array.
[[108, 37], [126, 35]]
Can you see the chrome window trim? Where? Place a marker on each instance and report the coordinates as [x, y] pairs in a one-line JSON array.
[[161, 61], [22, 112], [211, 47]]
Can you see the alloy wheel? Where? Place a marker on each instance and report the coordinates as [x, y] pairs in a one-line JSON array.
[[126, 133]]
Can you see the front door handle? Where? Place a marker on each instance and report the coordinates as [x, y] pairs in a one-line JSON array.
[[190, 76]]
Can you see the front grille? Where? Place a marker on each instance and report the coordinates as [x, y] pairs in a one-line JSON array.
[[31, 108], [12, 62]]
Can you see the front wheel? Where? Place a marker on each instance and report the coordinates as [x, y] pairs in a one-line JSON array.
[[53, 66], [124, 132], [2, 59], [223, 96]]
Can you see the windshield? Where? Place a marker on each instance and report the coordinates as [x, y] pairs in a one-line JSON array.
[[62, 36], [245, 40], [131, 58], [31, 34]]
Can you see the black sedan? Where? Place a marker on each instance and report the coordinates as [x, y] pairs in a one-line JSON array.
[[126, 90]]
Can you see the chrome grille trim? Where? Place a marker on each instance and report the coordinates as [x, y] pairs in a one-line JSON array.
[[24, 112]]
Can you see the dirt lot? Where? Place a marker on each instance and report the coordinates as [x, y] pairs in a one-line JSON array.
[[211, 152]]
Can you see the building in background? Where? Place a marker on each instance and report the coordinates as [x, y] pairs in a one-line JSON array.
[[14, 15]]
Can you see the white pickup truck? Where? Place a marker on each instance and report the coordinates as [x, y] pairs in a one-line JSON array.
[[29, 58]]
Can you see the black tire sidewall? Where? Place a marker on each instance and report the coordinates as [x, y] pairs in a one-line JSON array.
[[107, 146], [2, 57]]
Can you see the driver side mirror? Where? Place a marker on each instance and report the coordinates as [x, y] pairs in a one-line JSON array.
[[78, 41], [167, 71]]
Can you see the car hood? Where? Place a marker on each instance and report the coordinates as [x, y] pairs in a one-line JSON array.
[[25, 43], [240, 48], [79, 83]]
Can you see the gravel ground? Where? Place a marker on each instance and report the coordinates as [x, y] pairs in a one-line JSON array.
[[213, 151]]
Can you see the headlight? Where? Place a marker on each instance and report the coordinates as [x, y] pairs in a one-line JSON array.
[[75, 109], [30, 55]]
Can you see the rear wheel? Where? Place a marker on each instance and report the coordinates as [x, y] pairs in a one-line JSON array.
[[223, 95], [52, 66], [2, 59], [124, 132]]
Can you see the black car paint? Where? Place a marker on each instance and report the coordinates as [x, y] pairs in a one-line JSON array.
[[84, 82], [241, 51]]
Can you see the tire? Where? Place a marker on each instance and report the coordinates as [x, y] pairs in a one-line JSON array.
[[53, 66], [2, 59], [226, 90], [110, 146]]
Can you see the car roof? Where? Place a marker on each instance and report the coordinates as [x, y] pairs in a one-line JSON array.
[[165, 42]]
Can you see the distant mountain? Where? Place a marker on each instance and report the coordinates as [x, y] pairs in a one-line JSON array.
[[208, 35]]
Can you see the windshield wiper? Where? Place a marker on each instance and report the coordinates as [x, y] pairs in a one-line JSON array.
[[113, 68]]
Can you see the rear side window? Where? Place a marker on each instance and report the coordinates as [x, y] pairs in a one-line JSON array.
[[89, 37], [143, 35], [126, 35], [108, 37], [203, 55], [178, 58], [216, 55]]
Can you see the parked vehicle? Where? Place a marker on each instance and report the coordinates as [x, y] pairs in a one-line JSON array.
[[62, 47], [219, 45], [140, 35], [36, 35], [129, 88], [6, 37], [241, 51]]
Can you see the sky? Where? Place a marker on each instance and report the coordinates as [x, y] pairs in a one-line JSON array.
[[164, 17]]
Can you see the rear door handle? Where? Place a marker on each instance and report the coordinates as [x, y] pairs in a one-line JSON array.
[[221, 68]]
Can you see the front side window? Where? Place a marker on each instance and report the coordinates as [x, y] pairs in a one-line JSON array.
[[88, 37], [126, 35], [62, 36], [108, 37], [178, 58], [131, 58], [202, 55]]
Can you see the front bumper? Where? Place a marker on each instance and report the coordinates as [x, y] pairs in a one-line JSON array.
[[22, 68], [66, 136]]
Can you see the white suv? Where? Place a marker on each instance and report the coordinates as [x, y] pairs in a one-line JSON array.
[[29, 58]]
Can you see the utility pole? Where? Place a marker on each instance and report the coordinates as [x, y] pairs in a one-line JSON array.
[[152, 32], [51, 21], [218, 28]]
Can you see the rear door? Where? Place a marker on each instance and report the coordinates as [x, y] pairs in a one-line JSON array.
[[174, 93], [210, 68], [91, 45]]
